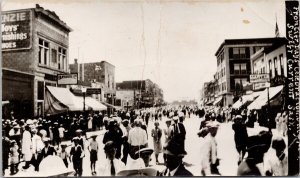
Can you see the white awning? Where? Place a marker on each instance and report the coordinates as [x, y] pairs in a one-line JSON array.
[[245, 99], [96, 105], [218, 100], [263, 97], [67, 99]]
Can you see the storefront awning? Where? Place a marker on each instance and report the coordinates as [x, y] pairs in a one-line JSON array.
[[246, 99], [218, 100], [94, 104], [59, 100], [262, 100], [109, 105]]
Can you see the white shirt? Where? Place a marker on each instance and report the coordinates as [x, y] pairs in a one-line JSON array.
[[37, 144], [105, 167], [137, 136], [61, 132], [171, 173]]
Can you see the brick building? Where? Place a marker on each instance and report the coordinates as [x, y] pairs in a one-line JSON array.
[[147, 93], [97, 75], [35, 48], [234, 66]]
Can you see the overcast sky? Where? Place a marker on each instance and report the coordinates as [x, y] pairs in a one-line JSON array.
[[172, 43]]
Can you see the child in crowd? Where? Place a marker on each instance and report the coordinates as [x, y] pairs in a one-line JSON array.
[[61, 131], [63, 154], [14, 158], [93, 148]]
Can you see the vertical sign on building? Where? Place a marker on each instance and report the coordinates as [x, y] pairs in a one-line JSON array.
[[16, 30], [292, 53]]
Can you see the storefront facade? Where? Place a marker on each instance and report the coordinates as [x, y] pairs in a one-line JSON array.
[[39, 49]]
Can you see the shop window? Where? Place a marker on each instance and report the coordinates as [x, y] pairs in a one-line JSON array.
[[40, 90], [43, 52]]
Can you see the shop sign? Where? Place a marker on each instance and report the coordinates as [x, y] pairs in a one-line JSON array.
[[16, 27], [259, 78], [258, 86], [93, 91], [67, 79]]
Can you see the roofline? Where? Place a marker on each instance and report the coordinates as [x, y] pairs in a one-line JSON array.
[[17, 71], [242, 41]]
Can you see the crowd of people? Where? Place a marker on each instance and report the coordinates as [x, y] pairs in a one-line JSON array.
[[126, 142]]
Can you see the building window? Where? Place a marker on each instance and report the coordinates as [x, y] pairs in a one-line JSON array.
[[62, 59], [239, 53], [275, 66], [43, 52], [281, 64], [270, 68], [243, 69], [240, 68], [236, 68], [54, 56]]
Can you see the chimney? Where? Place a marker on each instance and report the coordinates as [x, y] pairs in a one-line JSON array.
[[75, 61]]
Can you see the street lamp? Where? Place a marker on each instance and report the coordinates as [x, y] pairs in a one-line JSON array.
[[83, 92]]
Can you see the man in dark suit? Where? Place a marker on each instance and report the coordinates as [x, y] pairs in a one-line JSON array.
[[48, 149], [174, 164], [178, 132]]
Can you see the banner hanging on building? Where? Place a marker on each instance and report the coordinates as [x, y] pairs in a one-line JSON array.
[[67, 79], [259, 78], [16, 30]]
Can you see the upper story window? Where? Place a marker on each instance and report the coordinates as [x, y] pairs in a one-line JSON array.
[[62, 58], [43, 52], [270, 68], [240, 68], [281, 64], [275, 66], [238, 53]]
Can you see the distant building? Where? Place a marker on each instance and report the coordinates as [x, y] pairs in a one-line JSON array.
[[147, 93], [234, 66], [35, 47], [97, 75], [272, 61]]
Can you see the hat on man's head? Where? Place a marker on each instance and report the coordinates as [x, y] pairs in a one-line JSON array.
[[64, 145], [46, 139], [78, 131], [168, 120], [174, 148], [75, 139], [278, 143], [109, 146], [144, 151], [137, 168], [125, 121], [175, 118], [94, 136]]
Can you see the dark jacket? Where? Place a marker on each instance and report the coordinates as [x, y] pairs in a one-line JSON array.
[[181, 172], [50, 151]]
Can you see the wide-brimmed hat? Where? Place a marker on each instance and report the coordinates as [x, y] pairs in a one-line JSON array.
[[174, 148], [109, 146], [46, 139], [254, 142], [94, 136], [168, 120], [75, 139], [17, 127], [64, 145], [278, 143], [137, 168], [78, 131], [125, 121], [175, 118], [144, 151]]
